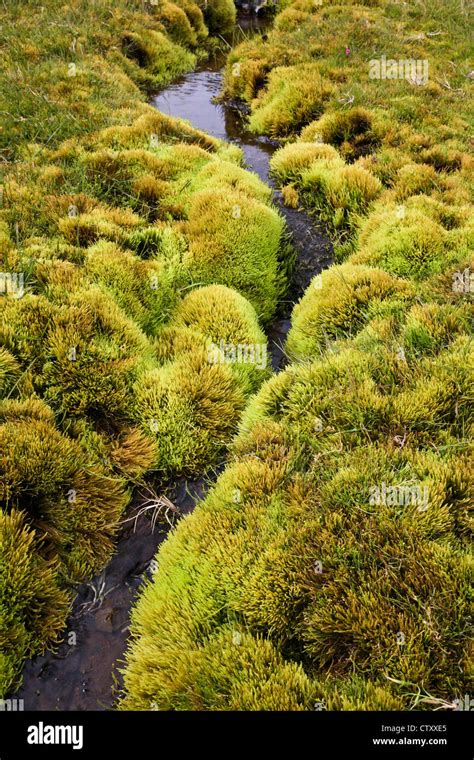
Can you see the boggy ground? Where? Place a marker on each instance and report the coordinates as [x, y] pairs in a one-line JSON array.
[[84, 673], [313, 575], [131, 243]]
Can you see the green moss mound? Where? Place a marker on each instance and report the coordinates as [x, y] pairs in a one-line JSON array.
[[213, 355], [147, 290], [352, 132], [235, 240], [221, 314], [86, 355], [215, 676], [192, 407], [219, 16], [338, 192], [62, 487], [32, 604], [408, 242], [338, 303], [292, 98], [150, 58]]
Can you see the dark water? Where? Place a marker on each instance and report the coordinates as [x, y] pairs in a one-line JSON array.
[[84, 673], [193, 97]]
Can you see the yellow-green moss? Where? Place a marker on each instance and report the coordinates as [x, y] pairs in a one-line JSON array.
[[338, 303], [292, 97], [33, 606], [66, 493], [407, 242], [235, 240], [191, 407], [289, 554], [352, 132]]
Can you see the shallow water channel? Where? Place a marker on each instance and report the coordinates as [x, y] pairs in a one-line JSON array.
[[84, 672], [194, 97]]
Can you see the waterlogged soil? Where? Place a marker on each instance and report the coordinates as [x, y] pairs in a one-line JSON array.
[[84, 672]]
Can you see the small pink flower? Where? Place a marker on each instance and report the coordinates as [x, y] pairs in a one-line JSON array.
[[348, 51]]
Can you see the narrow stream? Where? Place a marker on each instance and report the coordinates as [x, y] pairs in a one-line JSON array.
[[84, 672], [194, 97]]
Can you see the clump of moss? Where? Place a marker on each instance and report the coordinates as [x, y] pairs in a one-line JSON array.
[[406, 242], [352, 132], [147, 290], [213, 355], [66, 493], [290, 162], [228, 175], [233, 670], [149, 124], [184, 22], [85, 229], [220, 313], [230, 327], [414, 179], [235, 240], [219, 16], [291, 99], [150, 58], [87, 353], [191, 407], [33, 606], [368, 612], [338, 303], [339, 193], [9, 371]]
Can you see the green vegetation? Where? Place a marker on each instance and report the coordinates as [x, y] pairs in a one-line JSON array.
[[409, 132], [330, 565], [32, 604], [289, 549], [338, 303], [192, 403], [135, 250]]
